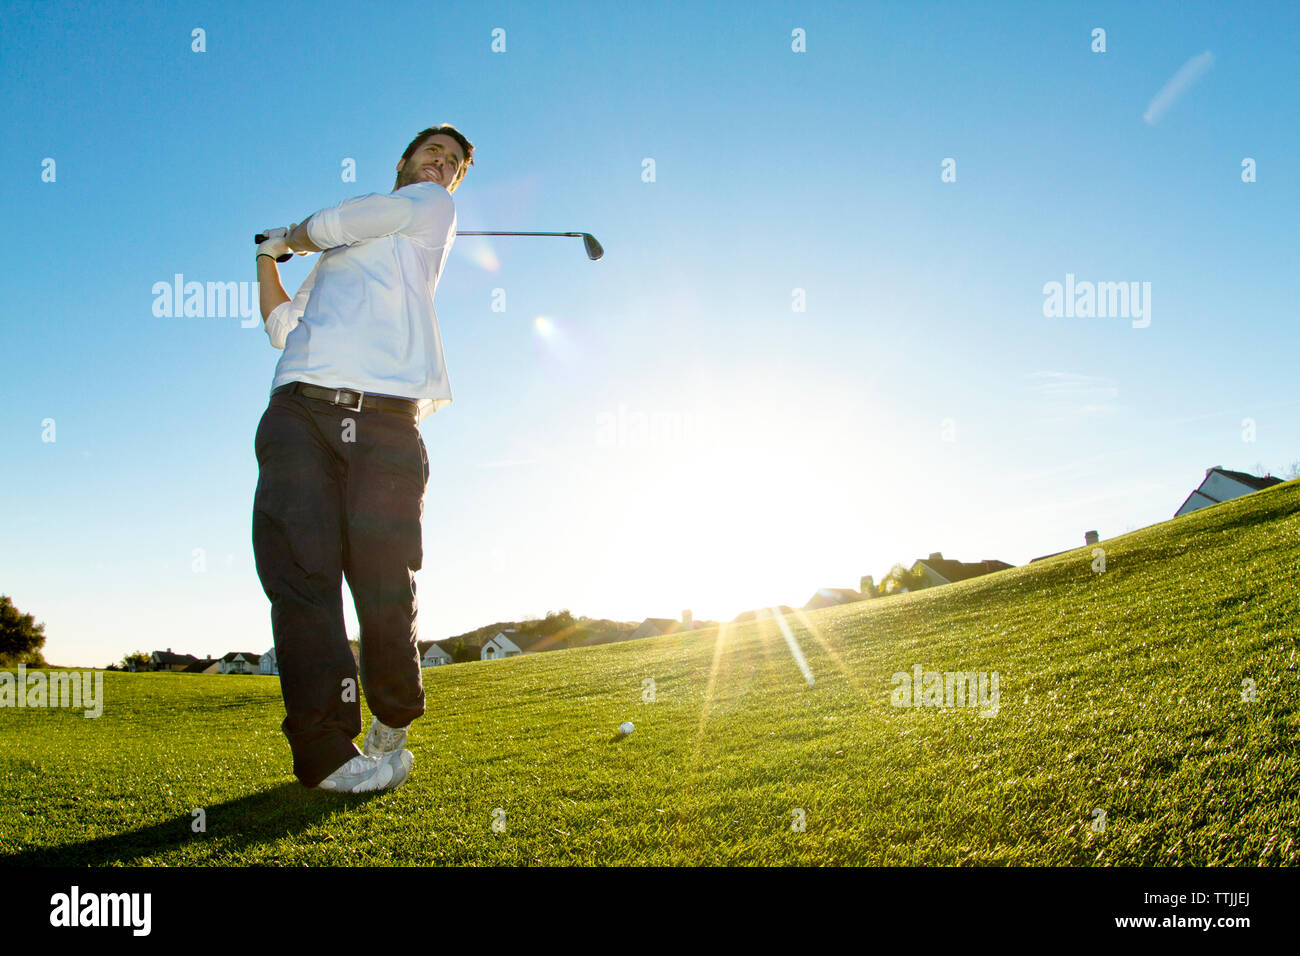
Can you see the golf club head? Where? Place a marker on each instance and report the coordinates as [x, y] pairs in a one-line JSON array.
[[594, 251]]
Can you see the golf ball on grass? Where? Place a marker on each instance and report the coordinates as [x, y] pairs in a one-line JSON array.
[[625, 728]]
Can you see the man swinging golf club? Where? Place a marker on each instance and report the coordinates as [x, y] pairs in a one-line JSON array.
[[342, 467]]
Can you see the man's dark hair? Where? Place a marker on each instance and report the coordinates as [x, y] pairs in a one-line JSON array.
[[447, 130]]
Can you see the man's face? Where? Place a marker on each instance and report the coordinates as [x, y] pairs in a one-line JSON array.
[[438, 159]]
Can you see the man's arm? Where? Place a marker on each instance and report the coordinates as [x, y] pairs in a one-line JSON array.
[[270, 289], [299, 241], [363, 218], [351, 221], [271, 292], [280, 314]]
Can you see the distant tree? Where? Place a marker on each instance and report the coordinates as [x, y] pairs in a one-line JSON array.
[[554, 623], [868, 586], [900, 577], [21, 638], [892, 582], [887, 583], [461, 652], [137, 661], [1294, 471]]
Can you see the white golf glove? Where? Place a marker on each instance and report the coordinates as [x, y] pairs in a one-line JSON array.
[[276, 244]]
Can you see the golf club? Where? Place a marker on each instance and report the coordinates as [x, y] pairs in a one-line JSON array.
[[594, 250]]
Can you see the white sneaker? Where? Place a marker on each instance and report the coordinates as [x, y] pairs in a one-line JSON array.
[[382, 740], [363, 774]]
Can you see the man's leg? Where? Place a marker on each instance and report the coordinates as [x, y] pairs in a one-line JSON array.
[[387, 472], [297, 541]]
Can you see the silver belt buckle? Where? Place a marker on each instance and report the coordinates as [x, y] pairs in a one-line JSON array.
[[361, 397]]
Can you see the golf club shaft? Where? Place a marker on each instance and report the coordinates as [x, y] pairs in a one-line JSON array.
[[576, 235], [594, 250]]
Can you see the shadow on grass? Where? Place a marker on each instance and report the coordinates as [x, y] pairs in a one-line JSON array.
[[257, 818]]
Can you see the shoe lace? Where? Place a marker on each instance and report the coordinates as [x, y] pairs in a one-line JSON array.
[[387, 736], [358, 764]]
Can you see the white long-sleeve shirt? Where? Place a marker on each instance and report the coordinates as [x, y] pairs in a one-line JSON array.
[[364, 317]]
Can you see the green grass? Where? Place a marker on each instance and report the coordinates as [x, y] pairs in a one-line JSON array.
[[1120, 691]]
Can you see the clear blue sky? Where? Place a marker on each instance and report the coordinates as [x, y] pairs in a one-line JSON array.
[[790, 450]]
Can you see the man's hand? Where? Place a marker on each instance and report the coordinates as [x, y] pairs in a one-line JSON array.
[[275, 245], [277, 242]]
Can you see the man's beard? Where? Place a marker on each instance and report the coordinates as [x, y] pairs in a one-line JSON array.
[[405, 179]]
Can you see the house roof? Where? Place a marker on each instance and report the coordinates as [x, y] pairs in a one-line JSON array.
[[657, 626], [843, 594], [251, 658], [1251, 481], [532, 642], [167, 657], [1254, 482], [962, 570], [784, 610], [829, 597], [448, 644], [201, 664], [604, 637]]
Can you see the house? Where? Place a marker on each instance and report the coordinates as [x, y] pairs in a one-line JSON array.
[[596, 638], [239, 662], [1221, 485], [204, 665], [783, 610], [432, 652], [435, 655], [512, 642], [1089, 538], [268, 663], [659, 626], [655, 627], [940, 570], [826, 597], [504, 644], [167, 661]]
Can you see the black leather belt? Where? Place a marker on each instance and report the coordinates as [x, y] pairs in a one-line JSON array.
[[351, 399]]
